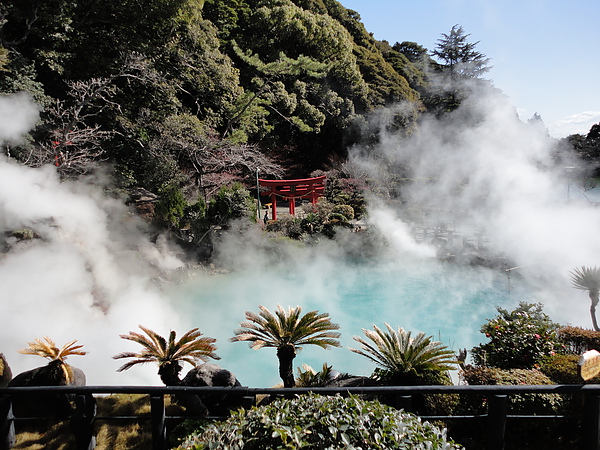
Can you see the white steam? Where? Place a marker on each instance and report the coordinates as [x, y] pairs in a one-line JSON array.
[[483, 170], [89, 273], [74, 265], [18, 114]]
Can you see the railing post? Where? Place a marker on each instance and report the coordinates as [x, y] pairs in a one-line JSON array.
[[591, 422], [159, 429], [496, 422], [82, 421], [7, 425], [405, 402]]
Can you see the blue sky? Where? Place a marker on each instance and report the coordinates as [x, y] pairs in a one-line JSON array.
[[544, 53]]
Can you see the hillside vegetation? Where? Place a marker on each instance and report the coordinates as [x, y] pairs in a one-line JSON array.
[[182, 97], [193, 93]]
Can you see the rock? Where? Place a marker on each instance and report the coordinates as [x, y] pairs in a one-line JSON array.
[[210, 375], [54, 405], [5, 372], [213, 375]]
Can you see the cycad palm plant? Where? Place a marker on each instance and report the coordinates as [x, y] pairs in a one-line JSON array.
[[47, 349], [402, 357], [588, 279], [169, 353], [287, 331], [309, 377]]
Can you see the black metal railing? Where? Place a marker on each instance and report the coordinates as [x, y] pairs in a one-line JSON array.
[[495, 417]]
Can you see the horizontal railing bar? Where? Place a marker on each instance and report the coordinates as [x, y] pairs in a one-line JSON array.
[[543, 416], [437, 389]]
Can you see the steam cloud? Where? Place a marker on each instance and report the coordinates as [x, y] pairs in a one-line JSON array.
[[87, 272], [89, 275], [483, 170]]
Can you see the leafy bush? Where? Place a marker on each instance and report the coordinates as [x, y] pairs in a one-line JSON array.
[[231, 202], [348, 192], [346, 211], [521, 403], [562, 369], [536, 434], [578, 340], [170, 209], [312, 421], [518, 339]]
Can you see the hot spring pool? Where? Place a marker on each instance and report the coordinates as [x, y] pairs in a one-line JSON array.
[[446, 301]]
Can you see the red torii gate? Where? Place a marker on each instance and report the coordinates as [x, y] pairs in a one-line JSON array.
[[311, 188]]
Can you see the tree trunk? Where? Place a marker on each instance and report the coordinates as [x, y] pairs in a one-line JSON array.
[[169, 375], [286, 355], [594, 299]]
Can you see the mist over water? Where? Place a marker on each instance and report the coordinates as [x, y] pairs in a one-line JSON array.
[[91, 274], [445, 301]]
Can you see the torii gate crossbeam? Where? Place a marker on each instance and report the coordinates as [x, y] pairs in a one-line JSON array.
[[311, 188]]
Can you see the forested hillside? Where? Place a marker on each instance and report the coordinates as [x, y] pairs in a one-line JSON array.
[[187, 91], [191, 94]]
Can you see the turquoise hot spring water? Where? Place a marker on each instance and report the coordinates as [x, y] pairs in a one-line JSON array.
[[446, 301]]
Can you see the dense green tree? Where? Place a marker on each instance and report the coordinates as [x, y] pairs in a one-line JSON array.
[[586, 146], [170, 209], [230, 203], [459, 56], [288, 77], [287, 331], [300, 69]]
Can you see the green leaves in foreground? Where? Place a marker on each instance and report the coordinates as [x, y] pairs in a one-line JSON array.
[[313, 421]]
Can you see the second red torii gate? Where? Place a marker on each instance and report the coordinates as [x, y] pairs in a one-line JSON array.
[[311, 188]]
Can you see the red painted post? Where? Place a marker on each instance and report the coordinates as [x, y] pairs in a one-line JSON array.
[[274, 206]]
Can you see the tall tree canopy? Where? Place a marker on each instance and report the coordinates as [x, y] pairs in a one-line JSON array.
[[459, 56]]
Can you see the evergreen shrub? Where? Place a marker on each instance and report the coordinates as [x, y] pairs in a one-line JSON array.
[[346, 211], [578, 340], [563, 369], [320, 422], [170, 209], [518, 339], [518, 403]]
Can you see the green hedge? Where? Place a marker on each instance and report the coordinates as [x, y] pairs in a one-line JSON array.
[[320, 422], [578, 340]]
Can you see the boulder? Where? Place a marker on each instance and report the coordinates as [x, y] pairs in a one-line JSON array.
[[213, 375], [5, 372], [210, 375], [54, 405], [7, 433]]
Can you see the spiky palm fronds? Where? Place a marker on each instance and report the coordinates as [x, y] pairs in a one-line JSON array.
[[191, 348], [309, 377], [48, 349], [397, 352], [267, 329], [287, 331], [586, 278]]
